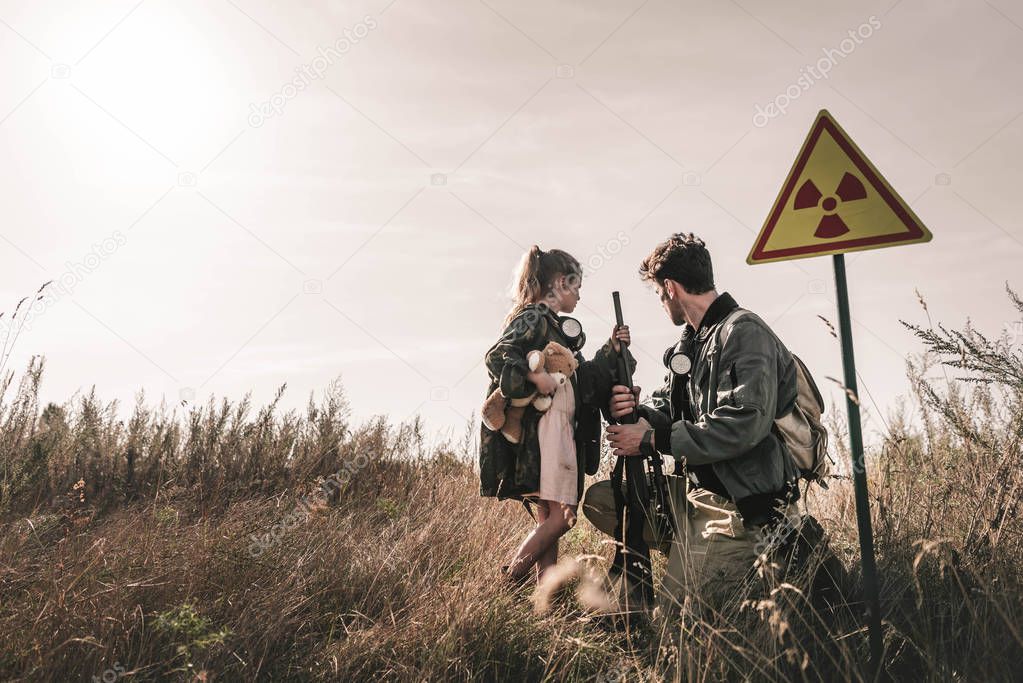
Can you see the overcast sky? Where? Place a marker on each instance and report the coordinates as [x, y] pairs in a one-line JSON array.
[[234, 194]]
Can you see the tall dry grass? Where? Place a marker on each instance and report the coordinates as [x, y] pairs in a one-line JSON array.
[[198, 544]]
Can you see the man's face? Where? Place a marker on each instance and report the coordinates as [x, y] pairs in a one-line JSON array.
[[667, 292]]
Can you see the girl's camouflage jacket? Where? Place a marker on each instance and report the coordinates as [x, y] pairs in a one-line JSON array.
[[509, 470]]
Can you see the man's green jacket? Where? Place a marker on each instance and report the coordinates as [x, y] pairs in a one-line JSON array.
[[718, 420]]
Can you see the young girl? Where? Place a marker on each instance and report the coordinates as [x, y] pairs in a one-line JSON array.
[[546, 466]]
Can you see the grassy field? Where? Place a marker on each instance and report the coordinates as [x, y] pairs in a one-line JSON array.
[[225, 542]]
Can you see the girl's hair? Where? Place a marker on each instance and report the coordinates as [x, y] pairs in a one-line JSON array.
[[535, 274]]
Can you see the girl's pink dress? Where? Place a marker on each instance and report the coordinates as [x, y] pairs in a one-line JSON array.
[[558, 470]]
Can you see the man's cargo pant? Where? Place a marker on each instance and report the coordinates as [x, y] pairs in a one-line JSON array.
[[711, 562]]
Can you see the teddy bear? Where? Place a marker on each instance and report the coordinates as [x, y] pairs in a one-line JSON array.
[[500, 413]]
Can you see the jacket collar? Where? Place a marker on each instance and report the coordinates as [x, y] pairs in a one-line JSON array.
[[716, 312], [552, 317], [546, 311]]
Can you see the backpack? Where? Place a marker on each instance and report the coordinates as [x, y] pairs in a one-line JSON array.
[[801, 430]]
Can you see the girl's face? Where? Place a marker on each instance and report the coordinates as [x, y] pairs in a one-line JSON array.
[[565, 292]]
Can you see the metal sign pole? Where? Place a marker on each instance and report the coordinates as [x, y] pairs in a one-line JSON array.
[[870, 585]]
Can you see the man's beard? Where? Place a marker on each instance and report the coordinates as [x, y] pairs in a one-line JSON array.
[[678, 316]]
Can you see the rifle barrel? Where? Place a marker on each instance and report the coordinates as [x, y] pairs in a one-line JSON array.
[[624, 371], [616, 297]]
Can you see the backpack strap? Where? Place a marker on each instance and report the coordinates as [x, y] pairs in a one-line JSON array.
[[740, 312], [729, 320]]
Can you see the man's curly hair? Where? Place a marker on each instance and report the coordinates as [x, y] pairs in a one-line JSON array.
[[684, 258]]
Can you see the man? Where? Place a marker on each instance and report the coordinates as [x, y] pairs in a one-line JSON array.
[[715, 418]]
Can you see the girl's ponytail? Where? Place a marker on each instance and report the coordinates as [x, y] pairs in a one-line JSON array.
[[534, 274]]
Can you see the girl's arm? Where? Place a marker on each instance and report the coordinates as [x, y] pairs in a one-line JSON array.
[[596, 377], [506, 360], [607, 357]]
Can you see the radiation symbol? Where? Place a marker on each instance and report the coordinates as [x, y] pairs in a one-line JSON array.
[[831, 225], [833, 201]]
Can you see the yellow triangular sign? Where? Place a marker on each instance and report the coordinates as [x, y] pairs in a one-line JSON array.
[[834, 201]]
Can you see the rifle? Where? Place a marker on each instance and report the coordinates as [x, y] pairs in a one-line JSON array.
[[663, 522], [631, 506]]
